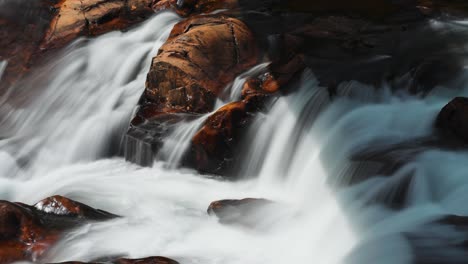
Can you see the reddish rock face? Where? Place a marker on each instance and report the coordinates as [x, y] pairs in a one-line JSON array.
[[452, 120], [27, 232], [191, 7], [189, 71]]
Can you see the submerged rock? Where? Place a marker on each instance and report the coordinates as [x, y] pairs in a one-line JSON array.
[[27, 232], [452, 121], [246, 212]]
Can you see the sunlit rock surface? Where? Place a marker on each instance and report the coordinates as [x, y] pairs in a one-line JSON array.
[[201, 56]]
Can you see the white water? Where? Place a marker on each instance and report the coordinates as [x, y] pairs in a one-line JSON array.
[[75, 105], [232, 92], [178, 142], [58, 144]]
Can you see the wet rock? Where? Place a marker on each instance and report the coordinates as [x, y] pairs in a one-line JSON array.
[[452, 8], [59, 205], [277, 79], [149, 260], [214, 144], [27, 232], [246, 212], [452, 121], [147, 133], [191, 7]]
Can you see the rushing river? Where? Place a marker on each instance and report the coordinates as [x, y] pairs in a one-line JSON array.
[[61, 131]]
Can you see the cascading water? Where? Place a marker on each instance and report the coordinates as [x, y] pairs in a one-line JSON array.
[[76, 104], [178, 142], [232, 92], [58, 144]]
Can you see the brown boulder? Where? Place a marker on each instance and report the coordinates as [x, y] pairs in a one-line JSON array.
[[191, 7], [452, 121], [188, 72], [26, 232]]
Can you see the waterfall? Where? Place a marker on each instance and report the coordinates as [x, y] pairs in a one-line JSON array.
[[56, 140], [232, 92], [56, 128]]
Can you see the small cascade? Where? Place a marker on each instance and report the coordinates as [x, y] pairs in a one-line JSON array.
[[177, 143], [233, 91], [272, 141]]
